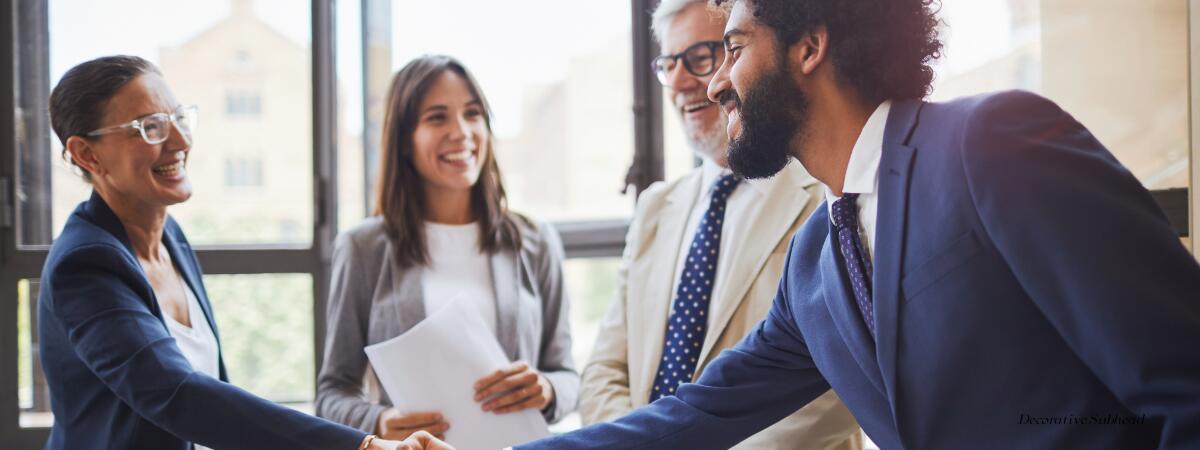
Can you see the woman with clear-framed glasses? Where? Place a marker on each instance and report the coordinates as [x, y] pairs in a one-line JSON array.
[[128, 339]]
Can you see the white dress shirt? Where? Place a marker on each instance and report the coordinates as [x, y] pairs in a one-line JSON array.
[[737, 207], [862, 175], [457, 268]]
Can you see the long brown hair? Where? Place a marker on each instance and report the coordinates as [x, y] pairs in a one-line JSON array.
[[400, 191]]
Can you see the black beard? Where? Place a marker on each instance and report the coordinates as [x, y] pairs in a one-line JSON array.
[[774, 112]]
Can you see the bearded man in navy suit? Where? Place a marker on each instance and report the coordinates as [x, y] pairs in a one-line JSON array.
[[983, 274]]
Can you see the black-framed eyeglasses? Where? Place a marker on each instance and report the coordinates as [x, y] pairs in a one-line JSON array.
[[700, 59], [156, 128]]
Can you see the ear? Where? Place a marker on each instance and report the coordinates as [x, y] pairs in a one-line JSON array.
[[84, 155], [810, 51]]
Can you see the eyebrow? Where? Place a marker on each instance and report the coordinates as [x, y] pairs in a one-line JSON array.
[[145, 115], [732, 33], [438, 108], [441, 108]]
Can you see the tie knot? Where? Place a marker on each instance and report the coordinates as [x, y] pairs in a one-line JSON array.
[[724, 186], [845, 211]]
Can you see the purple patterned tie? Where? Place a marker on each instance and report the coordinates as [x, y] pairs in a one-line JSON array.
[[858, 262], [687, 325]]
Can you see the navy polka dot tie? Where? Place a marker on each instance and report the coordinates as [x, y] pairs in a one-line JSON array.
[[858, 262], [688, 322]]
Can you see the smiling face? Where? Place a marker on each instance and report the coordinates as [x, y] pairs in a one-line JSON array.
[[703, 120], [766, 108], [125, 167], [451, 138]]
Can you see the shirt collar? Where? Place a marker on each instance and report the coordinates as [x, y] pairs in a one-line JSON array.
[[862, 172]]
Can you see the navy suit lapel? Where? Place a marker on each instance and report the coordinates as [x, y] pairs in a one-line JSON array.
[[895, 170], [100, 214], [845, 312], [104, 217], [181, 255]]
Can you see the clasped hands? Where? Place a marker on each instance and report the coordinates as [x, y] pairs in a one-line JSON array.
[[420, 440], [514, 388]]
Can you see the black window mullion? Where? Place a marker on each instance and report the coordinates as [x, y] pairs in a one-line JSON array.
[[324, 87], [648, 165]]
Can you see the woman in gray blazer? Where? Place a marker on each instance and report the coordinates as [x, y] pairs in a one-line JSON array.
[[442, 231]]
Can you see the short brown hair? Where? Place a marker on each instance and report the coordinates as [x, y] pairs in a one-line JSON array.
[[399, 195], [78, 101]]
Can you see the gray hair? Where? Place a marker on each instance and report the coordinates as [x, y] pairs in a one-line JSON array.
[[665, 12]]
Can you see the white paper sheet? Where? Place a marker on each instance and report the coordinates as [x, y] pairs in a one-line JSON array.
[[434, 366]]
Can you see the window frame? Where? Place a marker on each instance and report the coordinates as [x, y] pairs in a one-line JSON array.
[[1194, 135], [24, 262], [581, 239]]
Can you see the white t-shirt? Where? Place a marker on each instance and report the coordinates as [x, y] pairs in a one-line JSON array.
[[198, 342], [457, 268]]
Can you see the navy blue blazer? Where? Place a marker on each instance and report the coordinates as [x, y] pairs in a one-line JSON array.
[[116, 377], [1027, 290]]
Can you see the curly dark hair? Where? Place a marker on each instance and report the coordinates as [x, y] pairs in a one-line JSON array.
[[883, 48]]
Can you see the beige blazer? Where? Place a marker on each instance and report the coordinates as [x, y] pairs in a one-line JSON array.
[[620, 373]]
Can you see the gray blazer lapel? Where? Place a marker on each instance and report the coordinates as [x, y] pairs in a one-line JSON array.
[[504, 279], [407, 288]]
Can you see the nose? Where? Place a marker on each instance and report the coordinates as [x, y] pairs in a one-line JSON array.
[[177, 139], [460, 130], [720, 82]]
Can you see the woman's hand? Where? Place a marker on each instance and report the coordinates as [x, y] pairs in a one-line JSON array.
[[418, 441], [515, 388], [394, 425]]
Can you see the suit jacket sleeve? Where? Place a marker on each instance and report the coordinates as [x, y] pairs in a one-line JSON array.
[[767, 376], [339, 386], [100, 298], [604, 392], [555, 361], [1094, 252]]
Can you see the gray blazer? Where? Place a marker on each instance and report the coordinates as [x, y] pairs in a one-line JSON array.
[[372, 300]]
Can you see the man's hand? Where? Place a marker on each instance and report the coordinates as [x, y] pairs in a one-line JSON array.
[[514, 388], [424, 441], [417, 441], [396, 426]]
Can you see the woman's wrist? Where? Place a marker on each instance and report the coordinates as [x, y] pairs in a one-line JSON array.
[[366, 442]]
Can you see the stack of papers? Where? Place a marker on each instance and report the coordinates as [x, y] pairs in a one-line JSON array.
[[434, 366]]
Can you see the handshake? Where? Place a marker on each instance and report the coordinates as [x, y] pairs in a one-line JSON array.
[[420, 440]]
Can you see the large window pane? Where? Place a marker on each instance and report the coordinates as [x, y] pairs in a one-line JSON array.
[[33, 397], [559, 80], [351, 201], [266, 327], [1119, 67], [591, 284], [247, 65]]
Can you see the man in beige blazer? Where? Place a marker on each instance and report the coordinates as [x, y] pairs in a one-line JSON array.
[[630, 365]]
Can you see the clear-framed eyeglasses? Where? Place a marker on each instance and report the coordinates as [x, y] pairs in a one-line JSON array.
[[700, 59], [156, 128]]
